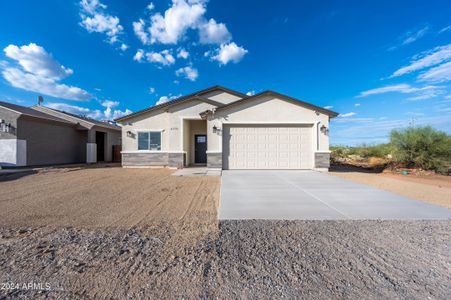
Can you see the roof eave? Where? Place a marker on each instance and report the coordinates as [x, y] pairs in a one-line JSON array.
[[182, 99], [330, 113]]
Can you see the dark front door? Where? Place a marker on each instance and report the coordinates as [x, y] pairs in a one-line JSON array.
[[200, 149], [100, 141]]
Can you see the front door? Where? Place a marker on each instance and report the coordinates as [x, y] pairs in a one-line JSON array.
[[200, 149], [100, 141]]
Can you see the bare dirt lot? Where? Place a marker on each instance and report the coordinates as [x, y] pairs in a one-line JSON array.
[[106, 197], [242, 259], [433, 189], [111, 233]]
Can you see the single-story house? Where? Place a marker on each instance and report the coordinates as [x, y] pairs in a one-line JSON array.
[[38, 135], [226, 129]]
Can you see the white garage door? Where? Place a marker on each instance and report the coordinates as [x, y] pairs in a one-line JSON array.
[[267, 147]]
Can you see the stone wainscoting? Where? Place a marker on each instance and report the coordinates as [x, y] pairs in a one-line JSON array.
[[157, 159], [322, 160], [214, 160]]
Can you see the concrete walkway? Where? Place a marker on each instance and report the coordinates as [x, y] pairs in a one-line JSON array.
[[197, 171], [309, 195]]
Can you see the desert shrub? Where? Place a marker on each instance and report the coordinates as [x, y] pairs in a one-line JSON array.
[[422, 147], [363, 151], [338, 153], [381, 150]]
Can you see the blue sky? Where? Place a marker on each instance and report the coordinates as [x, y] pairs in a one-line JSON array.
[[381, 65]]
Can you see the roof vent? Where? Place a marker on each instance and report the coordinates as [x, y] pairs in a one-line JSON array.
[[40, 100]]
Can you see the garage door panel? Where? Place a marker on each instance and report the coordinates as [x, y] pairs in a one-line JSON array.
[[268, 147]]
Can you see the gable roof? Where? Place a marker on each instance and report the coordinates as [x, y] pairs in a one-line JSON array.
[[69, 117], [27, 111], [194, 96], [328, 112]]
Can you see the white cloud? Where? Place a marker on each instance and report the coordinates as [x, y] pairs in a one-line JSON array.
[[415, 114], [110, 113], [172, 25], [183, 15], [73, 109], [427, 93], [445, 29], [164, 99], [357, 104], [250, 93], [347, 115], [212, 32], [352, 120], [426, 59], [150, 6], [399, 88], [95, 19], [379, 130], [34, 59], [138, 55], [229, 53], [140, 31], [151, 90], [177, 19], [188, 72], [440, 73], [328, 107], [411, 37], [164, 57], [40, 73], [43, 85], [182, 53], [107, 114], [91, 6], [124, 47]]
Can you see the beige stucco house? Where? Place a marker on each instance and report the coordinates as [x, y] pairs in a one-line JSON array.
[[226, 129]]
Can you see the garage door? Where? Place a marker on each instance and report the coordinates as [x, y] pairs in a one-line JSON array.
[[267, 147]]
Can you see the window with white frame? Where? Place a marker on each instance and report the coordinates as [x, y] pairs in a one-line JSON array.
[[149, 140]]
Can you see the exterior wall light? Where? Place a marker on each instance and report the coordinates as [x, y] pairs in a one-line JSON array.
[[215, 129], [130, 134], [324, 129]]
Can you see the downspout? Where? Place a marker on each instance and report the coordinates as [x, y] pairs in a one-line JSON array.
[[317, 136]]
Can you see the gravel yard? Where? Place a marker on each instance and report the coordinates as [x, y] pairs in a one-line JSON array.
[[137, 233], [242, 259]]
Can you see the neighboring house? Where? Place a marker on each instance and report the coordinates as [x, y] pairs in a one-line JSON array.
[[222, 128], [32, 136]]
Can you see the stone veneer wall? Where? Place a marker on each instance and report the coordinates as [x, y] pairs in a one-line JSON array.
[[322, 160], [153, 159], [214, 160]]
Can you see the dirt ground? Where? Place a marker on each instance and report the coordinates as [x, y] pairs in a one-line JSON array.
[[241, 260], [433, 189], [106, 197], [112, 233]]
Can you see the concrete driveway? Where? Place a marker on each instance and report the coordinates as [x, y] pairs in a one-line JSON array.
[[304, 195]]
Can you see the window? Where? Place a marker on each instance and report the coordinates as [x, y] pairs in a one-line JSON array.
[[149, 140], [201, 139]]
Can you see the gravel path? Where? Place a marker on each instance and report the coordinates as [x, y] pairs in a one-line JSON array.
[[237, 259]]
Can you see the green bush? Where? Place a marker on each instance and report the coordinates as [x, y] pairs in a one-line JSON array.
[[422, 147], [364, 151], [381, 150]]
